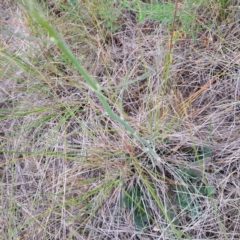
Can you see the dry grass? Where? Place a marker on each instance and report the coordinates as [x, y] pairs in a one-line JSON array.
[[65, 164]]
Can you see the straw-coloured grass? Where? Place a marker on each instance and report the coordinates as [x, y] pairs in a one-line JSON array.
[[120, 131]]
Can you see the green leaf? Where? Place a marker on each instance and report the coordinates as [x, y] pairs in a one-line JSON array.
[[183, 198], [140, 220], [132, 196], [73, 2], [133, 201], [206, 151]]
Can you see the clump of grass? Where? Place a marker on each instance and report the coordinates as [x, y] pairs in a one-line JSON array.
[[120, 133]]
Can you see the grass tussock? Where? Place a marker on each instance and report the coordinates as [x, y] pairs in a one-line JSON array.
[[117, 122]]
